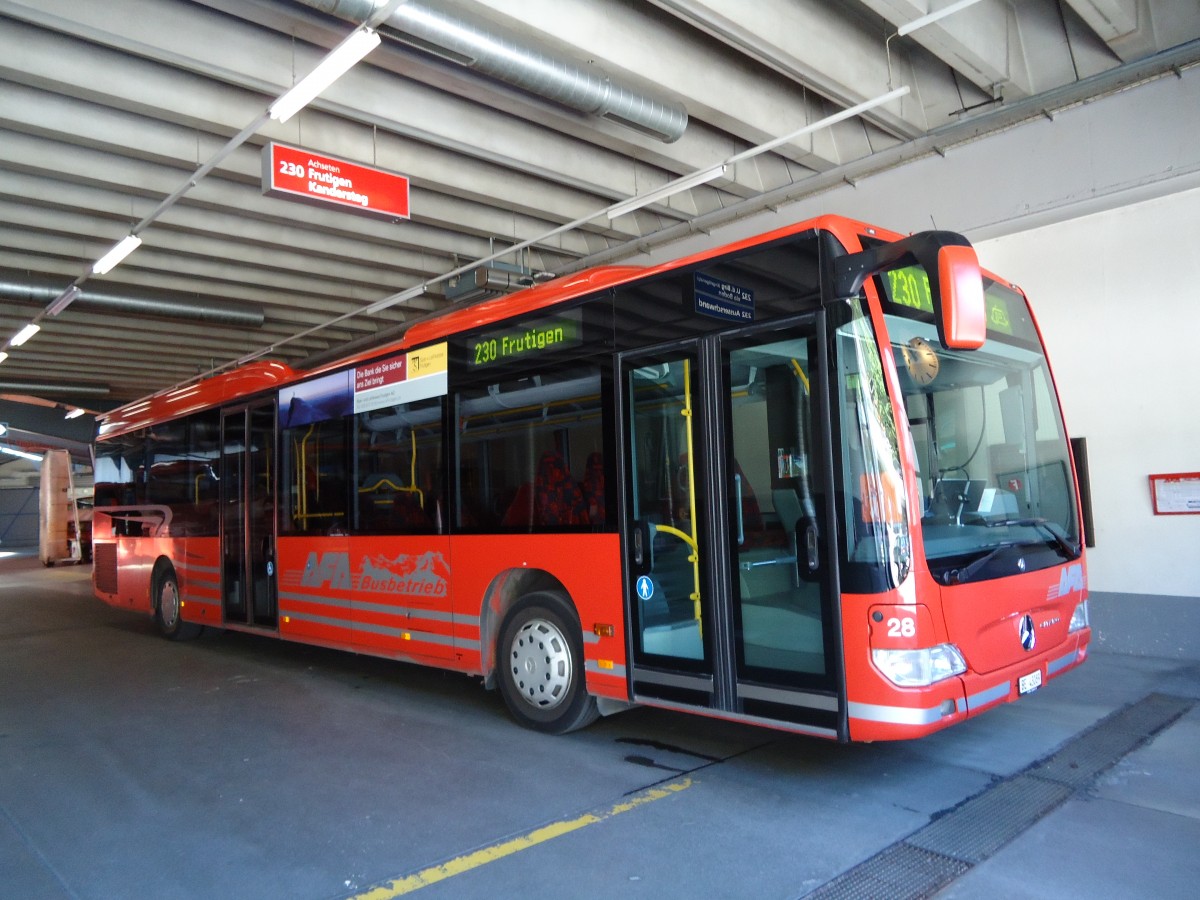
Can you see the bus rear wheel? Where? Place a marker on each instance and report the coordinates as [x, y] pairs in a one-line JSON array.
[[540, 663], [168, 608]]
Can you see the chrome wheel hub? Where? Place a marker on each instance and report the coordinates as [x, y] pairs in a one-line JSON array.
[[168, 604], [540, 658]]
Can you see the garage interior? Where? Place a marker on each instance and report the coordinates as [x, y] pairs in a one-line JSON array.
[[1059, 136]]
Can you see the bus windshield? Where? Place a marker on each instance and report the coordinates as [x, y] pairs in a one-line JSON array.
[[992, 453]]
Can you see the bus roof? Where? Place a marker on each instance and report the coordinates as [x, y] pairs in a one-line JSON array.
[[256, 377]]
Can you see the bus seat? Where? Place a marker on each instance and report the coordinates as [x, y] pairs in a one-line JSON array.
[[557, 499], [407, 512], [593, 489], [520, 512]]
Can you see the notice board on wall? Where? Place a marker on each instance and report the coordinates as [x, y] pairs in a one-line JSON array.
[[1176, 494]]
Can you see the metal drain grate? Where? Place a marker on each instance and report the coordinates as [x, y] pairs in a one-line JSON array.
[[978, 828], [901, 872], [1081, 760], [949, 846]]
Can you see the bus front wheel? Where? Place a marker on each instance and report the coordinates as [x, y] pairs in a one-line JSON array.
[[168, 610], [540, 663]]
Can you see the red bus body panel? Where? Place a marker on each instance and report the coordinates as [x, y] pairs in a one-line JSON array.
[[984, 623], [439, 600]]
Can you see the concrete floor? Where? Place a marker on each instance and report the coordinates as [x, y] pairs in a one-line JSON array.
[[234, 766]]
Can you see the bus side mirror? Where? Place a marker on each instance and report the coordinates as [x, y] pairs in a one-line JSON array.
[[955, 281], [963, 322]]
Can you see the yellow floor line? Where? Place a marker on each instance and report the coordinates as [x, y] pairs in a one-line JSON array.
[[457, 866]]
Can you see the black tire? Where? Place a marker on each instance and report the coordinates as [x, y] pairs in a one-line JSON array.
[[539, 661], [167, 608]]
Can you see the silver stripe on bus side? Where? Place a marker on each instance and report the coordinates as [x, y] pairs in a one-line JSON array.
[[776, 724], [185, 566], [894, 715], [991, 695], [594, 667], [1057, 665], [694, 682], [424, 637], [790, 698], [432, 615], [386, 609], [213, 586], [316, 601]]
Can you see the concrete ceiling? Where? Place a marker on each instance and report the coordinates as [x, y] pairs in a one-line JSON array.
[[106, 109]]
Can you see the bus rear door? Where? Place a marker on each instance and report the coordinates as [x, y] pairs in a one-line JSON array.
[[248, 469]]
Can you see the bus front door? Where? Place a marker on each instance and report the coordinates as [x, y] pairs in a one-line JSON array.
[[729, 558], [248, 468]]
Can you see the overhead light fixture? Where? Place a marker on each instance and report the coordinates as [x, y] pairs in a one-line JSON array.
[[13, 451], [848, 113], [670, 189], [24, 334], [3, 357], [339, 61], [407, 294], [113, 257], [65, 299], [934, 16], [74, 414]]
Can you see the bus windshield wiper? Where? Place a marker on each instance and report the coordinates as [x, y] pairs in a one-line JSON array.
[[1064, 546], [967, 572]]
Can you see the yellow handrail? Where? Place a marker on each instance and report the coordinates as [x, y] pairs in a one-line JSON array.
[[693, 541], [399, 489], [300, 448]]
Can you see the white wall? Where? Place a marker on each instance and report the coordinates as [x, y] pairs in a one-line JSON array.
[[1117, 295], [1096, 213]]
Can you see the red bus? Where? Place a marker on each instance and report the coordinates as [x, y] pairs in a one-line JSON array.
[[816, 480]]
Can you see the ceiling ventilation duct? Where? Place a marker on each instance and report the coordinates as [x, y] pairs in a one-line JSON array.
[[21, 288], [482, 47]]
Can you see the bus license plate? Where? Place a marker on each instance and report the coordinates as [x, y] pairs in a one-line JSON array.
[[1027, 684]]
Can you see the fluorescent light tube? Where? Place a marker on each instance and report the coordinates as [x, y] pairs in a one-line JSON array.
[[113, 257], [934, 16], [24, 334], [74, 414], [667, 190], [13, 451], [3, 357], [339, 60], [65, 299]]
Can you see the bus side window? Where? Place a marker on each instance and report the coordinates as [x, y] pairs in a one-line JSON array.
[[528, 455], [399, 482], [316, 464]]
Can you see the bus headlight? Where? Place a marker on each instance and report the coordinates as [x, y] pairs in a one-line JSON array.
[[920, 668], [1079, 618]]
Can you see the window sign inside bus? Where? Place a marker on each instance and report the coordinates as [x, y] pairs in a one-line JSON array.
[[528, 340], [404, 378], [910, 287], [327, 397], [722, 299]]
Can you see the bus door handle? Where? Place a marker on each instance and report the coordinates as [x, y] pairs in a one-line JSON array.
[[642, 539], [812, 548]]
